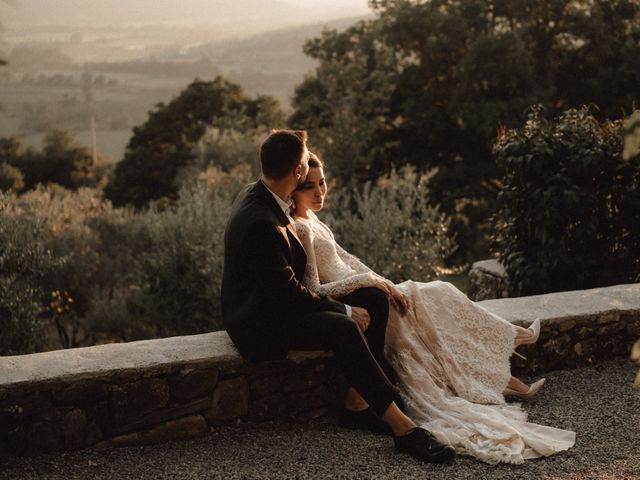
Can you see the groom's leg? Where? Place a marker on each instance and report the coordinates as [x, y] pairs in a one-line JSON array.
[[377, 304], [340, 334]]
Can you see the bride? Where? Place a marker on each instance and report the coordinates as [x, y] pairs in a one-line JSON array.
[[450, 356]]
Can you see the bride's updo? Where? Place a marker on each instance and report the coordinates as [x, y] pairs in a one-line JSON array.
[[314, 161]]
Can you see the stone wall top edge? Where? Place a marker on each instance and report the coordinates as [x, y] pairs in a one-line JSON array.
[[121, 360], [22, 384], [624, 299]]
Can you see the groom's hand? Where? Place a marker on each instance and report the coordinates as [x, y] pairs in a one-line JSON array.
[[361, 317]]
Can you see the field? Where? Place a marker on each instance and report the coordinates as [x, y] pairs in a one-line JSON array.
[[130, 70]]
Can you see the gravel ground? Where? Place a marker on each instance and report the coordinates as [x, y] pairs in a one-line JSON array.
[[598, 402]]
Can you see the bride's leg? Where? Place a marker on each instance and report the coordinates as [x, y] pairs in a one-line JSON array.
[[354, 401], [522, 335], [517, 385]]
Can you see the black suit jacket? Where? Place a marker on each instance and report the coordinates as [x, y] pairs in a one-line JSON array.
[[264, 264]]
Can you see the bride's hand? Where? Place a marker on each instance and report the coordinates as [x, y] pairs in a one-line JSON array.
[[398, 300]]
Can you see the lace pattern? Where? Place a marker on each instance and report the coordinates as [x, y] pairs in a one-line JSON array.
[[327, 273]]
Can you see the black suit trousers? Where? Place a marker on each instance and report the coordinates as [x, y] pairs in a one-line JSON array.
[[377, 304], [338, 333]]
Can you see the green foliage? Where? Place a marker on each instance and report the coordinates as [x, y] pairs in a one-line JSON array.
[[167, 142], [181, 270], [632, 149], [27, 268], [129, 276], [62, 160], [391, 226], [11, 178], [569, 214], [430, 83]]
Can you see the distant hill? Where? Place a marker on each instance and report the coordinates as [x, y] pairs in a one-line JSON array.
[[271, 63], [278, 51]]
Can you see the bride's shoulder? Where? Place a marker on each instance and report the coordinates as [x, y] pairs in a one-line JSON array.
[[300, 225]]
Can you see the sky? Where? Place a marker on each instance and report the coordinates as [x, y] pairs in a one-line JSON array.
[[32, 13]]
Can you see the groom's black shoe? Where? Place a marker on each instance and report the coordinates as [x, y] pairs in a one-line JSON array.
[[421, 444], [363, 420]]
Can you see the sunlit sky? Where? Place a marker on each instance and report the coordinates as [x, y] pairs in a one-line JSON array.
[[26, 13]]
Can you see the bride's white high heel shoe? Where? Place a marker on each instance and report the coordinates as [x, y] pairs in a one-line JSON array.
[[535, 332], [533, 389], [535, 328]]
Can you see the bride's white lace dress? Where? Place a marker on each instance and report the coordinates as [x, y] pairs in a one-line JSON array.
[[450, 355]]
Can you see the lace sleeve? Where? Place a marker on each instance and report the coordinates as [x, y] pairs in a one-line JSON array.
[[311, 278], [356, 264]]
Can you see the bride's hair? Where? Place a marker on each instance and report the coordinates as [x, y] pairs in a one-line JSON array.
[[314, 161]]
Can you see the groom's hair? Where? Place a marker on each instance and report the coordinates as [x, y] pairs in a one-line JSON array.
[[281, 152]]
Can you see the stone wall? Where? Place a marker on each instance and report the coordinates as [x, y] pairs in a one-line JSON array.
[[151, 391], [488, 279], [174, 388]]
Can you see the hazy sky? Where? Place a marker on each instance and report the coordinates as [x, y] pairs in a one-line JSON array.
[[25, 13]]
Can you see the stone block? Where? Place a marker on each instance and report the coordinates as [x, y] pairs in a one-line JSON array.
[[317, 397], [587, 347], [613, 345], [296, 384], [131, 400], [180, 429], [164, 414], [230, 400], [567, 325], [556, 349], [262, 387], [487, 280], [633, 328], [610, 329], [193, 382], [585, 332], [270, 406], [577, 348], [608, 317], [43, 437], [93, 434], [73, 425], [22, 409], [101, 414], [81, 393]]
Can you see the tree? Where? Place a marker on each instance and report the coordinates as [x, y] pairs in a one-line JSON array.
[[429, 83], [62, 160], [166, 143], [11, 178]]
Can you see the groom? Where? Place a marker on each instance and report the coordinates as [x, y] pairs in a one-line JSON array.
[[267, 311]]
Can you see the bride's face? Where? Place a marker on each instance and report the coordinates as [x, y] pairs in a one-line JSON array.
[[310, 194]]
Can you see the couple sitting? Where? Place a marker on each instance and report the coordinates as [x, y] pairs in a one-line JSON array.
[[288, 285]]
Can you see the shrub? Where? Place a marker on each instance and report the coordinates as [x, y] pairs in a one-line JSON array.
[[391, 226], [11, 178], [62, 161], [180, 270], [72, 224], [569, 215], [27, 268]]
